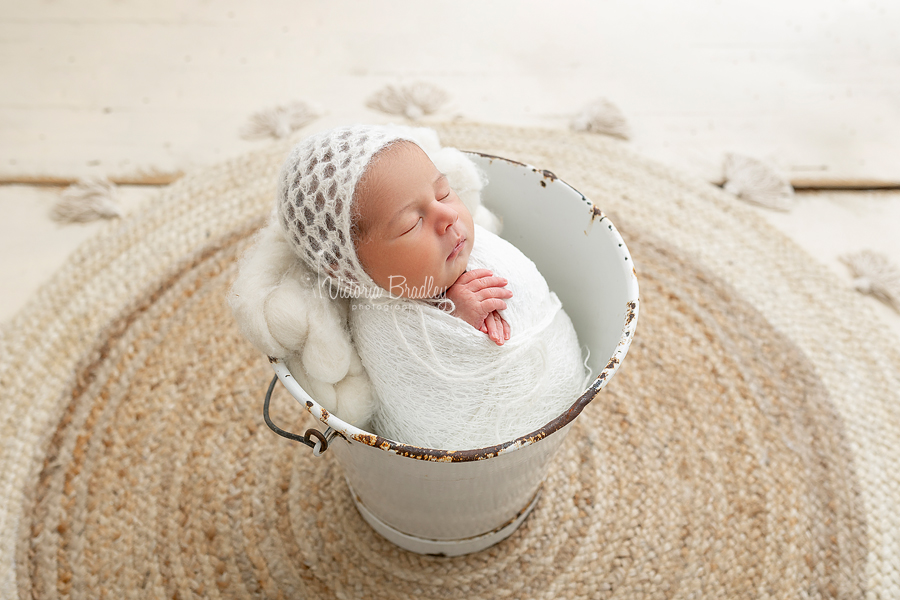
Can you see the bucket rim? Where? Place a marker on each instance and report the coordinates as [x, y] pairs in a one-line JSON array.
[[351, 432]]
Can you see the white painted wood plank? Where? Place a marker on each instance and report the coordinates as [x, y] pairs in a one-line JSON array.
[[101, 86]]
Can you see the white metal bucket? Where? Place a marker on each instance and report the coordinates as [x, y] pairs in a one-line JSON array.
[[434, 501]]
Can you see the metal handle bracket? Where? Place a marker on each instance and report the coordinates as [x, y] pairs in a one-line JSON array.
[[319, 445]]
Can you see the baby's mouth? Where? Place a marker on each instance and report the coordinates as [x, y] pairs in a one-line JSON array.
[[457, 248]]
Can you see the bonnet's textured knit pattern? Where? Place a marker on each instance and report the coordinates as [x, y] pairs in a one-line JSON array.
[[315, 199]]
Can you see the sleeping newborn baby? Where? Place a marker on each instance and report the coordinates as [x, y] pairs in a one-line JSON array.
[[463, 342]]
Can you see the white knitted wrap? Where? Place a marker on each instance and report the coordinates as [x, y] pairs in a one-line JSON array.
[[315, 197], [443, 384]]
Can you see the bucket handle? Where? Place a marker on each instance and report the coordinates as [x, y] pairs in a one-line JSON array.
[[322, 439]]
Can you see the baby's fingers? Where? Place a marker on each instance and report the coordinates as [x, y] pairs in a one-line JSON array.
[[491, 305], [495, 329], [506, 330], [472, 275], [493, 292], [487, 283]]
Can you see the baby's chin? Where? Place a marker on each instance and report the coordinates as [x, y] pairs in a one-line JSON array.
[[466, 249], [451, 276], [462, 261]]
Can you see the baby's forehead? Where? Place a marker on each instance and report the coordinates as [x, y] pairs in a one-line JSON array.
[[394, 166], [397, 152], [395, 179]]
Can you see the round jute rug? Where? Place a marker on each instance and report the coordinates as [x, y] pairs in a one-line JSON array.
[[747, 448]]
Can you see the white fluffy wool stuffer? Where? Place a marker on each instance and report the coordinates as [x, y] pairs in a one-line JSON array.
[[282, 309]]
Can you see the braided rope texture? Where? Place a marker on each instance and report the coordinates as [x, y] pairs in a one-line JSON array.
[[748, 446]]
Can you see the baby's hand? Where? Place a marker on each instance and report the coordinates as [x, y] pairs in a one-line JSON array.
[[478, 297]]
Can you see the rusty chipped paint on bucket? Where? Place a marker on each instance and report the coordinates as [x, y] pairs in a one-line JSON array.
[[435, 501]]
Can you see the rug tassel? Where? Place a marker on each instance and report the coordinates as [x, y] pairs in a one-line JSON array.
[[87, 200], [412, 101], [280, 121], [603, 117], [875, 275], [753, 181]]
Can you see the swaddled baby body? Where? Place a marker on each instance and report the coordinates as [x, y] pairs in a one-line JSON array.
[[462, 340], [444, 384]]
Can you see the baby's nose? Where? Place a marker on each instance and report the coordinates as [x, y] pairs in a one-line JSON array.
[[447, 216]]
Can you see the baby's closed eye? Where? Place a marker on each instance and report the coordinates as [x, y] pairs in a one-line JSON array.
[[416, 224]]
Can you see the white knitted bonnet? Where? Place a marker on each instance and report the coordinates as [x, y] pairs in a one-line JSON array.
[[315, 197]]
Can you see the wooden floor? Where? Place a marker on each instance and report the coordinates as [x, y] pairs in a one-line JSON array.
[[145, 92]]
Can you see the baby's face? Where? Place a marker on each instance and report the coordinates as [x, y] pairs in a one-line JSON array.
[[414, 234]]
